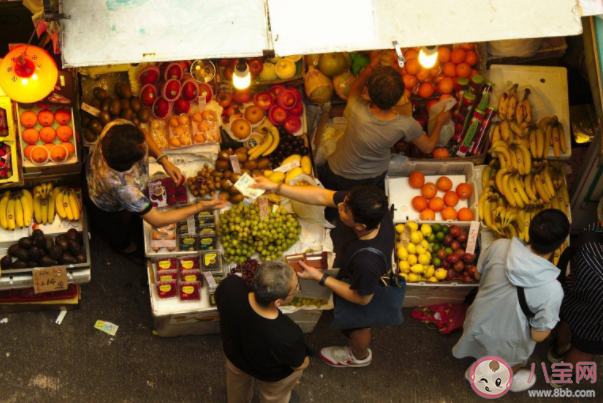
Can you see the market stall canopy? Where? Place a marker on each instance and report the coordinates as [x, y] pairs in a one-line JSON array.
[[318, 26], [102, 32]]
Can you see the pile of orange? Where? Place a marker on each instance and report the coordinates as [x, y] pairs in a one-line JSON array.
[[428, 204], [451, 65]]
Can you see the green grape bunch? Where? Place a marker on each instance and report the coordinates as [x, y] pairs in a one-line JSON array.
[[242, 233]]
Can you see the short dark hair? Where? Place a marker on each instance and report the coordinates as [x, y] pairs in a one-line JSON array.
[[368, 205], [271, 282], [123, 146], [548, 230], [385, 87]]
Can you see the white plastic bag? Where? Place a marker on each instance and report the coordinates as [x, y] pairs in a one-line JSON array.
[[515, 47], [448, 129], [331, 135], [307, 212]]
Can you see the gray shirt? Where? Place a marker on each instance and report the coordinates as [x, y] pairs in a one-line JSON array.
[[364, 150]]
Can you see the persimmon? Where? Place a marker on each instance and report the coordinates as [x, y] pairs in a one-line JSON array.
[[465, 214], [449, 213], [436, 204], [463, 190], [444, 184], [440, 152], [458, 56], [429, 190], [427, 215], [451, 198], [419, 203], [416, 180]]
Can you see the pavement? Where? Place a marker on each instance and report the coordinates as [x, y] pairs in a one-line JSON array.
[[41, 361]]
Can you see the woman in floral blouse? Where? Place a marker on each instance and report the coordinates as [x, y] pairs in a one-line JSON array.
[[118, 175]]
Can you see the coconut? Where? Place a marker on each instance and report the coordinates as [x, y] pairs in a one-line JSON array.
[[318, 87], [343, 84], [331, 64]]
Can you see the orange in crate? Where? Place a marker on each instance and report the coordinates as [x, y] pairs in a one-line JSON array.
[[429, 190], [416, 180], [440, 152], [427, 215], [463, 190], [45, 117], [48, 134], [419, 203], [463, 70], [436, 204], [458, 56], [69, 147], [27, 151], [48, 146], [62, 116], [39, 155], [30, 136], [443, 54], [412, 66], [471, 58], [64, 133], [426, 90], [449, 69], [444, 184], [449, 213], [29, 119], [451, 198], [58, 154], [465, 214]]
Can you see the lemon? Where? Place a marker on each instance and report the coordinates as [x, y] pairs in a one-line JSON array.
[[425, 244], [426, 229], [400, 228], [413, 278], [412, 259], [413, 225], [416, 237], [402, 253], [405, 276], [404, 267], [417, 268], [432, 280], [411, 248], [424, 259], [441, 273], [421, 249], [430, 271]]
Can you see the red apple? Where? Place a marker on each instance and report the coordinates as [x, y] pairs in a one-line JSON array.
[[468, 258], [242, 96], [453, 258], [445, 264], [223, 62], [286, 99], [182, 106], [224, 99], [277, 115], [298, 109], [184, 65], [264, 100], [205, 88], [459, 266], [471, 269], [255, 67], [455, 245], [297, 93], [448, 239], [462, 237], [275, 89], [455, 231], [441, 254], [292, 124], [148, 95], [189, 91], [452, 274], [459, 252], [228, 72]]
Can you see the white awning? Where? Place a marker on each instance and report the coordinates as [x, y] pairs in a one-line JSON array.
[[102, 32]]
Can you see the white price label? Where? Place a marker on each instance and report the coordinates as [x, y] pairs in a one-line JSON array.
[[236, 167], [190, 225], [472, 237], [202, 102], [211, 283], [90, 109], [287, 167]]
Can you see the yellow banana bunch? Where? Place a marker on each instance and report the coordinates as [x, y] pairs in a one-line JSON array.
[[512, 104], [523, 112], [16, 210], [68, 205]]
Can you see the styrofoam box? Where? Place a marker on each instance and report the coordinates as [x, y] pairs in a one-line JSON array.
[[401, 194], [550, 83]]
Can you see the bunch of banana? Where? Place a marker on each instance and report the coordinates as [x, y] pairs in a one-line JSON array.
[[554, 136], [16, 210], [43, 203], [507, 104], [523, 112], [271, 141], [67, 203]]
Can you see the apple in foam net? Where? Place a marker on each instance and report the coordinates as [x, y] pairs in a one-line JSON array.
[[292, 124], [255, 67], [286, 99], [224, 99], [242, 96], [182, 106], [264, 100], [277, 115], [297, 110]]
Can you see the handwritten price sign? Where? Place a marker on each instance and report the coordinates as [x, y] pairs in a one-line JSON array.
[[49, 279]]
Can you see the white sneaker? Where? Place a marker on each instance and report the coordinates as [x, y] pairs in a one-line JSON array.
[[520, 381], [342, 357]]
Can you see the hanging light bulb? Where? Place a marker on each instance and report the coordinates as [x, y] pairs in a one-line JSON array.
[[241, 78], [28, 74], [428, 56]]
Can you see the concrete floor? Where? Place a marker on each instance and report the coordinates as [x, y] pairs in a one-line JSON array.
[[44, 362]]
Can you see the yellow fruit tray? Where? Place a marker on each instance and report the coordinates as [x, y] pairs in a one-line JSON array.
[[27, 163]]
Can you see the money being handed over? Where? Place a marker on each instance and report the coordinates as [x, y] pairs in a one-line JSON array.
[[243, 185]]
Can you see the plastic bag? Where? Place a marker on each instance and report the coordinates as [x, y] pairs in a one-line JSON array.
[[515, 47], [331, 135], [307, 212], [447, 317], [448, 129]]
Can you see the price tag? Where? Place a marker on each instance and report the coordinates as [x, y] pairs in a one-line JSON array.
[[287, 167], [264, 207], [211, 282], [90, 109], [49, 279], [202, 102], [190, 225], [472, 237], [234, 161]]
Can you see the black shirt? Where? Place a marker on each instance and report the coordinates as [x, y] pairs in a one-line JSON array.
[[263, 348], [367, 267]]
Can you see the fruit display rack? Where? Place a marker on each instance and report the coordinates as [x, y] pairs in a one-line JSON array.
[[9, 148]]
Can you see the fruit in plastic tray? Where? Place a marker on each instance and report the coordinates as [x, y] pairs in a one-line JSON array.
[[189, 291], [189, 263], [167, 289], [168, 263], [167, 275], [190, 275]]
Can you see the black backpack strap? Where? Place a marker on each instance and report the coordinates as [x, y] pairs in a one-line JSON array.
[[521, 295]]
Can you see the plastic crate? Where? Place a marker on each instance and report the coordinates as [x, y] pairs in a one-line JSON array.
[[403, 211]]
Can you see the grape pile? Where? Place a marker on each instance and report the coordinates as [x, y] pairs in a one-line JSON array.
[[242, 233], [247, 269], [299, 302], [288, 145]]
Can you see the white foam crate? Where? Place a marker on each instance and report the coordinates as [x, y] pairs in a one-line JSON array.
[[400, 193], [550, 84]]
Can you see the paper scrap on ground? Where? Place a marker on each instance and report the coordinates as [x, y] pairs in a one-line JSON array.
[[61, 317], [5, 320], [106, 327]]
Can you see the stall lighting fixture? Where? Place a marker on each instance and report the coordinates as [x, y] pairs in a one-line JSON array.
[[428, 56], [241, 78]]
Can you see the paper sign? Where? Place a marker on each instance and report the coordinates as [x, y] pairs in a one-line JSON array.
[[49, 279], [91, 110], [264, 207], [190, 225], [472, 237], [287, 167], [202, 102], [106, 327], [236, 167], [211, 283], [243, 186]]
